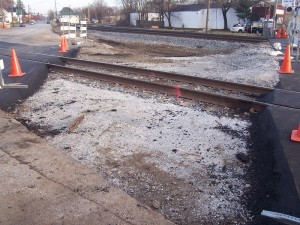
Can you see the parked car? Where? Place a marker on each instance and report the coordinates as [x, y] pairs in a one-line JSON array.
[[256, 27], [22, 25], [255, 30], [238, 28], [31, 22]]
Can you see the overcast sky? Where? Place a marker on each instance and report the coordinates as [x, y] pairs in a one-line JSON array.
[[42, 6]]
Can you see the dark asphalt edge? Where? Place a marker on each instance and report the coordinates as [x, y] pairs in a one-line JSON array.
[[272, 183], [10, 98]]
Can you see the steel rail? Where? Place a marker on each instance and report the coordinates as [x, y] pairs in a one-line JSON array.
[[250, 89], [244, 88], [181, 34], [226, 101]]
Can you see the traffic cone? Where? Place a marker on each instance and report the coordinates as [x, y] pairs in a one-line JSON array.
[[15, 66], [284, 35], [296, 135], [278, 33], [62, 45], [286, 67], [66, 43]]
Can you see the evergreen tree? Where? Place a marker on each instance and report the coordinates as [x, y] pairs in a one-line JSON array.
[[243, 9]]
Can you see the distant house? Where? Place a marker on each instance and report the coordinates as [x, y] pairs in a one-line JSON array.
[[68, 15], [194, 16], [262, 10], [5, 16]]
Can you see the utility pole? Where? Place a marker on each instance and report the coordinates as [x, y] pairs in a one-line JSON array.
[[207, 16], [2, 13], [55, 16], [275, 17], [12, 13], [17, 11], [69, 20], [89, 20]]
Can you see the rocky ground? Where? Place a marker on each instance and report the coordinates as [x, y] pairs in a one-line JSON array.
[[187, 160], [255, 64]]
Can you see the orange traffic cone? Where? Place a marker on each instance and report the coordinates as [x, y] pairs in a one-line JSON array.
[[62, 45], [66, 43], [296, 135], [284, 35], [286, 67], [15, 66], [278, 33]]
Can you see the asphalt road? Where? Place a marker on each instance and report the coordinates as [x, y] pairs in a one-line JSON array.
[[37, 38], [37, 34]]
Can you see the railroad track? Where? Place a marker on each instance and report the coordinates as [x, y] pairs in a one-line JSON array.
[[222, 37], [161, 82], [208, 97]]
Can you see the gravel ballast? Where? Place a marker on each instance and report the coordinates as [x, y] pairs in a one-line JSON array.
[[255, 64], [188, 162], [183, 158]]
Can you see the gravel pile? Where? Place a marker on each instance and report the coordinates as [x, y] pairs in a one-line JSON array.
[[254, 64], [167, 40]]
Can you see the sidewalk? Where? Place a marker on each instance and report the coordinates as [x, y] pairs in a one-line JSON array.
[[41, 185]]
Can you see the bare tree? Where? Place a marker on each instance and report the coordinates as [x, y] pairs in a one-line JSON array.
[[99, 9], [51, 14], [128, 6], [143, 7], [166, 7], [225, 6]]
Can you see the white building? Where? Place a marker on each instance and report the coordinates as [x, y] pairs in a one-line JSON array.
[[7, 17], [194, 16], [68, 15], [135, 16]]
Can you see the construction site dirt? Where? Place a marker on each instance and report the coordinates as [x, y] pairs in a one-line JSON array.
[[193, 163]]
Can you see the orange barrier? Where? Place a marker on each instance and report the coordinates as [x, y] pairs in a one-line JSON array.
[[15, 66], [62, 45], [286, 67], [278, 33], [155, 27], [296, 135]]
